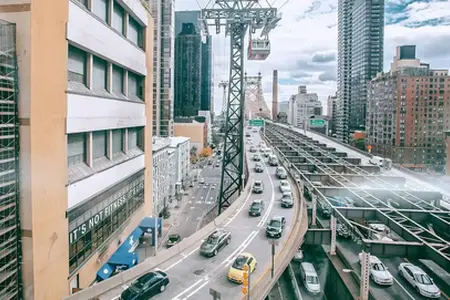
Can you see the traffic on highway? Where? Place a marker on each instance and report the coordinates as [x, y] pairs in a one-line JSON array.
[[217, 262]]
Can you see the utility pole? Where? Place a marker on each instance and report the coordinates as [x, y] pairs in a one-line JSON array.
[[216, 295], [238, 16], [314, 210], [365, 264], [273, 243]]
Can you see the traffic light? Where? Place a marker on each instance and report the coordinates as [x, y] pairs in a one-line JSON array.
[[244, 290], [245, 280]]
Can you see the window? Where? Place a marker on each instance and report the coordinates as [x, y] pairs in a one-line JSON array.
[[135, 32], [117, 140], [99, 74], [76, 149], [118, 18], [77, 65], [117, 83], [83, 2], [98, 144], [100, 8], [132, 138], [135, 86]]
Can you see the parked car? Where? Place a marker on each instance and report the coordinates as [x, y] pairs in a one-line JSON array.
[[275, 227], [273, 160], [378, 271], [281, 173], [285, 186], [201, 180], [287, 201], [256, 208], [259, 168], [309, 277], [258, 187], [173, 239], [215, 242], [146, 286], [420, 280], [236, 271]]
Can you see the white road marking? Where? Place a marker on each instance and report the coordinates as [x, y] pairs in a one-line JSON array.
[[263, 220], [403, 288], [201, 197], [181, 259], [198, 202], [239, 210]]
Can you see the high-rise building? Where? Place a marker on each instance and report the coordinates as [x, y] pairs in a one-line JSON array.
[[157, 53], [360, 58], [206, 102], [407, 113], [188, 16], [85, 140], [331, 112], [188, 69], [167, 67]]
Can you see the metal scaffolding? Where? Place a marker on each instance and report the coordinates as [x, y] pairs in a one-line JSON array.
[[255, 105], [10, 238]]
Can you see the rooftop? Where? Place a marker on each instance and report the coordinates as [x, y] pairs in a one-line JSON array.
[[160, 143], [176, 140]]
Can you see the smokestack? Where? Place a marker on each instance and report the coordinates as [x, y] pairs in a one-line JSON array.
[[275, 95]]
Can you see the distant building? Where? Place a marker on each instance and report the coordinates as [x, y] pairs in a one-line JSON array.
[[193, 127], [303, 106], [188, 55], [283, 107], [162, 174], [208, 120], [331, 113], [407, 113], [182, 146]]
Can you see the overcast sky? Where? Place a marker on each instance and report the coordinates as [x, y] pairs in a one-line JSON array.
[[304, 44]]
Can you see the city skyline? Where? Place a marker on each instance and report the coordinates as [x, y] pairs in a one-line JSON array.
[[316, 60]]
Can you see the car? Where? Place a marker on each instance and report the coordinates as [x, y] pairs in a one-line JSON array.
[[378, 271], [256, 208], [258, 187], [201, 180], [215, 242], [146, 286], [298, 255], [287, 201], [309, 277], [255, 131], [217, 165], [256, 157], [285, 186], [420, 280], [236, 271], [259, 168], [209, 162], [275, 227], [252, 149], [247, 135], [281, 173], [173, 239]]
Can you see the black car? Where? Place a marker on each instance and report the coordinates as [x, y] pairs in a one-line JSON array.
[[259, 168], [247, 135], [256, 157], [215, 242], [146, 286], [173, 240], [256, 208], [275, 227]]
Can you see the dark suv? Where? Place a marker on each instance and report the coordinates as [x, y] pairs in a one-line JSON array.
[[215, 242], [256, 208], [275, 227]]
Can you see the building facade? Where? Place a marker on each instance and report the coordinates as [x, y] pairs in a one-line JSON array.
[[193, 127], [182, 146], [303, 106], [84, 137], [360, 58], [188, 71], [156, 8], [162, 174], [331, 113], [408, 112]]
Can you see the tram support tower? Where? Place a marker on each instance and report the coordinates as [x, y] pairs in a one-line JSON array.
[[238, 16]]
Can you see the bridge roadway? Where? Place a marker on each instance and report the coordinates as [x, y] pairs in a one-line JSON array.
[[192, 275]]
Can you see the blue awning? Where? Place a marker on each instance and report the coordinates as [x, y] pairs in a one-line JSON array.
[[148, 224], [125, 254], [105, 272]]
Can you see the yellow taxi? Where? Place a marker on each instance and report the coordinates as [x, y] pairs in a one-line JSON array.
[[236, 271]]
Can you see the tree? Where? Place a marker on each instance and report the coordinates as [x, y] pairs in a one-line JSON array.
[[360, 144], [193, 151], [282, 117], [206, 152]]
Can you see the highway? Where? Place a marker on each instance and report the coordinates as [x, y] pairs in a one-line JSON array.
[[192, 275]]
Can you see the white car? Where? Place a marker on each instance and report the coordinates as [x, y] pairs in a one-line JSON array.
[[419, 280], [378, 271], [298, 255], [285, 186]]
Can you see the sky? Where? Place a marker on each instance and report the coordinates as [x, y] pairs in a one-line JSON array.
[[304, 44]]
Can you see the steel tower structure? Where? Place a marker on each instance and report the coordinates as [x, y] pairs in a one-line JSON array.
[[238, 16], [224, 84], [255, 105]]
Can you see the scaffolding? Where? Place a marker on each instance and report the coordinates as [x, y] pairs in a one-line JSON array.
[[10, 238]]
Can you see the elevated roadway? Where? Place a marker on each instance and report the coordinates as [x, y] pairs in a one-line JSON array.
[[192, 275]]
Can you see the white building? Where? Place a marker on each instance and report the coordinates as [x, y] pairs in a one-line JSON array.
[[162, 175], [302, 106], [283, 107], [182, 147]]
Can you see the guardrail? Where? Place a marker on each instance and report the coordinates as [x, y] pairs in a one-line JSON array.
[[262, 286], [163, 256], [294, 282]]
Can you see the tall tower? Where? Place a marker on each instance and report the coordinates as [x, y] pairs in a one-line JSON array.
[[358, 21], [156, 13], [275, 95], [254, 97]]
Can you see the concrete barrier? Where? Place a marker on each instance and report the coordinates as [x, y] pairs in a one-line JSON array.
[[162, 256], [294, 282]]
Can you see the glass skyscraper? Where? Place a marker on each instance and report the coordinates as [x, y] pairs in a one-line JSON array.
[[360, 58]]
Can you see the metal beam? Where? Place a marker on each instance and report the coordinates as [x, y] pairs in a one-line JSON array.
[[318, 236]]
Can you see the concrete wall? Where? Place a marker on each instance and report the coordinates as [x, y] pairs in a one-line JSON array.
[[195, 131]]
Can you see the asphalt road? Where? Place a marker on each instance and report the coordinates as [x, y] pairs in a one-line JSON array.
[[192, 275]]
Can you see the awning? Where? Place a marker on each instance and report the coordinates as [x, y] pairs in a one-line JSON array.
[[148, 224], [105, 272], [125, 254]]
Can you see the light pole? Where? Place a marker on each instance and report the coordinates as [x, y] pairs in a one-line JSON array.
[[364, 279], [273, 243]]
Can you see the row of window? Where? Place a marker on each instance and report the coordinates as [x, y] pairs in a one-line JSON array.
[[83, 248], [79, 68], [115, 16], [77, 144]]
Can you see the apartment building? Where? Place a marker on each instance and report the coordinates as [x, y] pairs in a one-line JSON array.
[[303, 106], [331, 112], [85, 136], [408, 112], [162, 174]]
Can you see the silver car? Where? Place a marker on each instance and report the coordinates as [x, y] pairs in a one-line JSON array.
[[285, 186], [420, 280]]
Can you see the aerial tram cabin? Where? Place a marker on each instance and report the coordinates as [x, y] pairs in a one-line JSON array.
[[258, 49]]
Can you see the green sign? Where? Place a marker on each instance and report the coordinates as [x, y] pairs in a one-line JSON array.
[[316, 122], [257, 122]]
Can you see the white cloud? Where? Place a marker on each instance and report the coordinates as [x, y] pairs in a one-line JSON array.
[[308, 29]]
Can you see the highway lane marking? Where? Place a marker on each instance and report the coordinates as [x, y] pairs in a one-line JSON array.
[[272, 199], [239, 210], [181, 259], [403, 288]]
